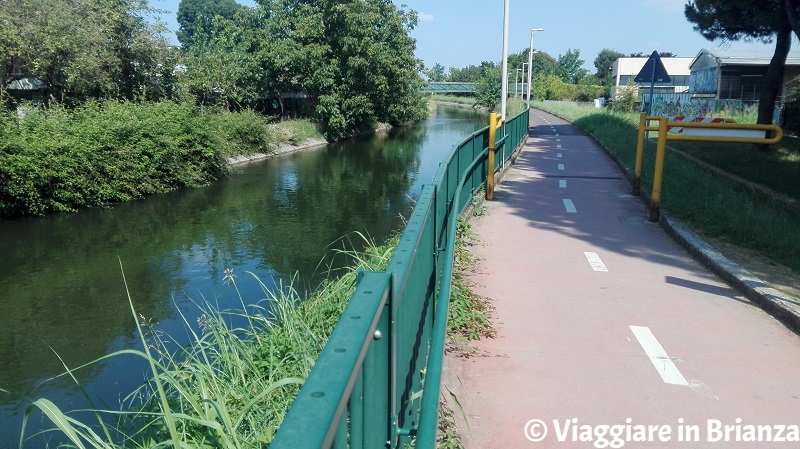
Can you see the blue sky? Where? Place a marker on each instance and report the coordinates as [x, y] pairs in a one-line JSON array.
[[457, 33]]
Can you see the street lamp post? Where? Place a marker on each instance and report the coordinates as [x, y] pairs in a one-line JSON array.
[[504, 83], [516, 83], [530, 63], [522, 95]]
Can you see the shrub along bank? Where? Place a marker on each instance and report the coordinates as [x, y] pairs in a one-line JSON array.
[[105, 152]]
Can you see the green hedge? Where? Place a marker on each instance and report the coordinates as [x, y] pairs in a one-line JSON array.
[[57, 160]]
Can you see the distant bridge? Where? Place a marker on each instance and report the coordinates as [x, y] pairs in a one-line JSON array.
[[448, 88], [443, 87]]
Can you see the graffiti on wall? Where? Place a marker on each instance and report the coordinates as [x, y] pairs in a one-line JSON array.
[[703, 107], [704, 81], [696, 107]]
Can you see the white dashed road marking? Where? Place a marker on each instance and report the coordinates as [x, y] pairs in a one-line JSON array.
[[658, 356], [595, 262]]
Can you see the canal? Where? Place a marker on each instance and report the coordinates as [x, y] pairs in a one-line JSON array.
[[62, 293]]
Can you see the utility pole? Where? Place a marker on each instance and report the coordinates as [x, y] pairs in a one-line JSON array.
[[530, 64]]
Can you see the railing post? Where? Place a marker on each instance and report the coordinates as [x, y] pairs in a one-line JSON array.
[[637, 172], [655, 201]]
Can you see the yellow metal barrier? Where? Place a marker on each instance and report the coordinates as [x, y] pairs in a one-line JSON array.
[[494, 123], [663, 136]]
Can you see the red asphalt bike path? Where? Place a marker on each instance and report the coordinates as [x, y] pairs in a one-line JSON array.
[[583, 346]]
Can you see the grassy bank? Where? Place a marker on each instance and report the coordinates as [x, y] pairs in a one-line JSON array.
[[514, 105], [231, 386], [711, 203], [58, 160]]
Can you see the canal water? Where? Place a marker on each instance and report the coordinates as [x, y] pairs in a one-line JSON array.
[[63, 278]]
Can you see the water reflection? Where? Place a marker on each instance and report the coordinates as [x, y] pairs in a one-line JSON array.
[[61, 284]]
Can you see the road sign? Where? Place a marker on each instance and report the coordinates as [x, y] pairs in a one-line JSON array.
[[653, 71]]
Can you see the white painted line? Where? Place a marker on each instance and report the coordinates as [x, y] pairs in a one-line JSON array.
[[570, 207], [557, 134], [562, 183], [664, 365], [559, 155], [558, 146], [561, 167], [558, 140], [595, 262]]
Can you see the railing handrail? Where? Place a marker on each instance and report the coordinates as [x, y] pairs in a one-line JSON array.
[[664, 125], [365, 384], [426, 437]]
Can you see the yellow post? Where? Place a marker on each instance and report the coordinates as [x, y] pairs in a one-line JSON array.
[[637, 173], [661, 148], [493, 121]]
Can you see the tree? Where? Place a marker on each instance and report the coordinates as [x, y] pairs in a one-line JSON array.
[[489, 89], [570, 66], [225, 65], [196, 16], [82, 49], [732, 20], [469, 74], [589, 88], [604, 64], [436, 73], [544, 64], [355, 58]]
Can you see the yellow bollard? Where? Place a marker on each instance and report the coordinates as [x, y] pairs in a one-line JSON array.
[[493, 122], [658, 176], [637, 173]]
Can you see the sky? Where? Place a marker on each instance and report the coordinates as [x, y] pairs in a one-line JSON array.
[[458, 33]]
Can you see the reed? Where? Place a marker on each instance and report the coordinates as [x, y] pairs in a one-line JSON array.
[[233, 384]]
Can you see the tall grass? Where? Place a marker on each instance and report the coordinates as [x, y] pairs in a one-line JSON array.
[[712, 204], [232, 385]]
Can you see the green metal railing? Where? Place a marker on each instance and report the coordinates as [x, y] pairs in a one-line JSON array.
[[366, 388]]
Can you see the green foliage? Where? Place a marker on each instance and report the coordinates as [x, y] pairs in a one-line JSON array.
[[627, 97], [436, 73], [604, 64], [196, 16], [81, 49], [469, 74], [106, 152], [469, 313], [733, 20], [589, 89], [360, 66], [553, 87], [223, 65], [570, 66], [489, 89]]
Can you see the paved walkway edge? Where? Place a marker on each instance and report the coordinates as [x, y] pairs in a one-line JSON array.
[[773, 301], [776, 303]]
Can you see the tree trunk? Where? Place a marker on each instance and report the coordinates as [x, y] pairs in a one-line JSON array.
[[773, 80], [793, 13]]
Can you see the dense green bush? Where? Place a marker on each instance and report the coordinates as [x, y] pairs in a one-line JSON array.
[[57, 160]]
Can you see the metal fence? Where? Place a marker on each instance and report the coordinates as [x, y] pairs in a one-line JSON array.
[[366, 388]]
